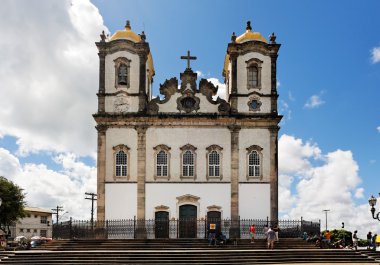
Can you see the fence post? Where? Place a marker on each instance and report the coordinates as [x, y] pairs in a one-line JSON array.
[[71, 227], [177, 228], [134, 226], [267, 221]]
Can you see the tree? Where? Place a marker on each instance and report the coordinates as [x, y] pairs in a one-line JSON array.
[[12, 206]]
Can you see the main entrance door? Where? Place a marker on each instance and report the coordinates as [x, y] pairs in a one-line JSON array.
[[188, 221], [161, 224]]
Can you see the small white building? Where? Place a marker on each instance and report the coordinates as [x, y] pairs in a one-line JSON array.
[[37, 222]]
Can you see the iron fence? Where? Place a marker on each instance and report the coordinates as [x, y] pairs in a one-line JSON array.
[[178, 228]]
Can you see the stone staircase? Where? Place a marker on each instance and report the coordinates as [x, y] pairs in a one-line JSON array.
[[181, 251]]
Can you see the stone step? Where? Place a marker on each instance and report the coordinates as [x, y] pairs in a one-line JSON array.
[[188, 257]]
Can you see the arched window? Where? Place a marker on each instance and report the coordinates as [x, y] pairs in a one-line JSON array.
[[254, 162], [121, 161], [162, 162], [214, 162], [188, 164], [188, 161], [121, 164]]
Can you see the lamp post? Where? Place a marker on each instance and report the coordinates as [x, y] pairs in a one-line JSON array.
[[327, 210], [372, 202]]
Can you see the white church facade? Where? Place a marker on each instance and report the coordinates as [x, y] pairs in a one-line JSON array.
[[187, 154]]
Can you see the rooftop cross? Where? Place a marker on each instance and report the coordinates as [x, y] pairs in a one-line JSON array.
[[188, 58]]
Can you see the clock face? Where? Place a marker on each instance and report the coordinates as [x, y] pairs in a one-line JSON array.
[[121, 103]]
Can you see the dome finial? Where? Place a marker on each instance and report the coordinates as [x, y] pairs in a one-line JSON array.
[[248, 26], [128, 25]]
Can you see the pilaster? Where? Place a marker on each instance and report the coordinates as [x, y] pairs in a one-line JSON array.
[[141, 172], [233, 97], [235, 226], [274, 173], [102, 67], [142, 85], [101, 172], [273, 57]]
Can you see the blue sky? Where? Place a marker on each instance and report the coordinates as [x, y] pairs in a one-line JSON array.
[[328, 74]]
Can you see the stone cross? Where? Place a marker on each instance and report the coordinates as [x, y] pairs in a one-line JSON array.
[[188, 58]]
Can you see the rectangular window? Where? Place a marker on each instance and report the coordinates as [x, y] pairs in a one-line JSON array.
[[43, 233], [43, 220], [21, 230], [35, 231], [28, 230]]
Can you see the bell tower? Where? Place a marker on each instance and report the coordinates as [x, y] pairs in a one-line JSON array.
[[125, 73]]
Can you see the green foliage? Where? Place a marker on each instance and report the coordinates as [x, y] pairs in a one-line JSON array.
[[340, 235], [12, 206]]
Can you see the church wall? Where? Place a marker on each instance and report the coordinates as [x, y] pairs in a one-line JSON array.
[[110, 72], [121, 201], [248, 137], [201, 138], [242, 73], [209, 193], [132, 102], [128, 137], [254, 201]]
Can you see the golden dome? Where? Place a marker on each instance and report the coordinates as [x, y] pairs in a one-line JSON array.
[[126, 34], [250, 36]]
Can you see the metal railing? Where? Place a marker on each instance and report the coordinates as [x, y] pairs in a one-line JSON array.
[[176, 228]]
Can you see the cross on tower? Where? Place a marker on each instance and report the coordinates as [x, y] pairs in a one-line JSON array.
[[188, 58]]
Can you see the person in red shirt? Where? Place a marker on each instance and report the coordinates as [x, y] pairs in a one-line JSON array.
[[252, 233]]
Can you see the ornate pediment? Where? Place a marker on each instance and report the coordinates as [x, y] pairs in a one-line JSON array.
[[187, 198]]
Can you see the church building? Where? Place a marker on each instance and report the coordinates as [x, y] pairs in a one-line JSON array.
[[187, 154]]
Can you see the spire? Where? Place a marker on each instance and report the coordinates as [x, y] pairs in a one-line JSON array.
[[128, 25], [143, 36], [248, 26], [233, 37], [272, 38]]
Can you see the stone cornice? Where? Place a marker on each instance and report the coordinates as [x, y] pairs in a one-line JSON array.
[[248, 121]]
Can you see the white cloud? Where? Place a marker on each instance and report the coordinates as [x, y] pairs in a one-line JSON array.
[[200, 74], [378, 129], [49, 74], [375, 52], [359, 193], [222, 92], [310, 181], [46, 188], [314, 102]]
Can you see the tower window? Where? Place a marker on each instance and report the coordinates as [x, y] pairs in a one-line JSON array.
[[254, 73], [252, 76], [122, 72]]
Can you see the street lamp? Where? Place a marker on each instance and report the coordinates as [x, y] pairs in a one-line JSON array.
[[372, 202]]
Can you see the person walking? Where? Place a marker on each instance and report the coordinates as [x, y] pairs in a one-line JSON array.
[[276, 229], [271, 237], [252, 233], [355, 240], [369, 240]]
